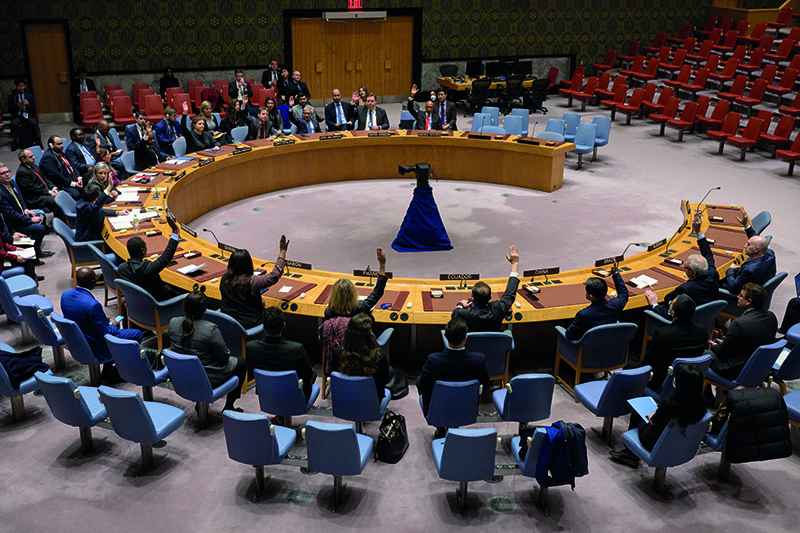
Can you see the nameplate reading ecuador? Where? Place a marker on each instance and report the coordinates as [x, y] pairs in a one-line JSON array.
[[454, 276], [541, 272], [608, 260], [379, 134], [242, 149], [329, 137], [281, 142], [655, 245], [188, 230], [205, 161], [226, 247], [429, 134], [369, 273], [298, 264]]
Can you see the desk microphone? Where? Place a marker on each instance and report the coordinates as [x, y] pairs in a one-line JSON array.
[[533, 131], [641, 244], [706, 196], [221, 250], [483, 121]]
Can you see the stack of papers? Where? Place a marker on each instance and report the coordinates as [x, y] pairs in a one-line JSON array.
[[178, 161], [126, 196], [189, 269], [643, 282], [25, 253], [27, 241], [126, 222]]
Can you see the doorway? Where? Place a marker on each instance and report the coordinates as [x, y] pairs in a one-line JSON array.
[[48, 60]]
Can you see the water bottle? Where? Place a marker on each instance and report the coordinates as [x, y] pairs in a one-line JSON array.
[[135, 221]]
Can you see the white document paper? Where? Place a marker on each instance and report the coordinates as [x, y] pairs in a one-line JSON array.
[[286, 288], [27, 241], [25, 253], [643, 282], [188, 269]]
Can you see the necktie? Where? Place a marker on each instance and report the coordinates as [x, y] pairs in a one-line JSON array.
[[40, 178], [428, 122], [371, 119], [442, 113], [339, 114], [11, 190], [87, 156], [263, 131], [69, 167]]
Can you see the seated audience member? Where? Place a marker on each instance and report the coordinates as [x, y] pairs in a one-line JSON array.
[[58, 170], [276, 354], [446, 110], [197, 138], [22, 108], [241, 290], [192, 335], [101, 173], [428, 120], [239, 88], [298, 105], [790, 317], [168, 131], [36, 188], [90, 214], [103, 140], [78, 155], [135, 132], [212, 125], [360, 354], [600, 311], [274, 115], [455, 363], [248, 109], [270, 77], [756, 327], [684, 407], [283, 86], [145, 273], [682, 338], [359, 98], [759, 266], [308, 124], [20, 219], [343, 299], [370, 116], [104, 157], [261, 127], [80, 306], [483, 315], [338, 114], [296, 86], [167, 81], [81, 84], [10, 253], [234, 118], [147, 154], [701, 272]]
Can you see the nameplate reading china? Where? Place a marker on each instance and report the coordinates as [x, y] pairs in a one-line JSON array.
[[188, 230], [655, 245], [205, 161], [369, 273], [329, 137], [242, 149], [298, 264], [541, 272], [281, 142], [379, 134], [608, 260], [454, 276], [429, 134]]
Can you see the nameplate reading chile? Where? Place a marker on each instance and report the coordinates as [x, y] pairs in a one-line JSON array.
[[454, 276], [298, 264], [188, 230], [608, 260]]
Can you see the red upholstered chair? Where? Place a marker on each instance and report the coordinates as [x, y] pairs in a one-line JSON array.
[[663, 55], [711, 21], [153, 107], [728, 44], [91, 111], [786, 84], [144, 92], [780, 136], [702, 105], [585, 95], [755, 36], [725, 25], [794, 109], [712, 63], [782, 53], [741, 27], [113, 94], [264, 94], [682, 79], [135, 92], [698, 83], [766, 43], [567, 84], [784, 15], [256, 88], [715, 36], [657, 43], [729, 127], [754, 62], [221, 86], [794, 63], [633, 51], [649, 95], [636, 67], [683, 33], [727, 73], [197, 95], [574, 86], [602, 93], [658, 105], [670, 110], [608, 62], [765, 116], [171, 92], [123, 113], [619, 97], [794, 34], [251, 81], [650, 73], [791, 155], [676, 64], [107, 88], [633, 106], [191, 86], [749, 138], [689, 45], [86, 94], [685, 121], [739, 53], [716, 118], [178, 101], [702, 54], [552, 75], [736, 90]]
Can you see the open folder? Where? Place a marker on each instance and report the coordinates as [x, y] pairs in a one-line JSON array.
[[644, 406]]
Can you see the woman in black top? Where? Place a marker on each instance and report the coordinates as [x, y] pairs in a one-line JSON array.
[[360, 354], [283, 86], [274, 114], [241, 290], [197, 138], [343, 300], [167, 81], [234, 118]]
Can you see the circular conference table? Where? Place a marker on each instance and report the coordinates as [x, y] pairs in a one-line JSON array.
[[205, 181]]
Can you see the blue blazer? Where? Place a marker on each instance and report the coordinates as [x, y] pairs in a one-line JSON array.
[[450, 365], [132, 138], [759, 270], [75, 156], [701, 289], [599, 313], [80, 306], [55, 170], [166, 133], [15, 216]]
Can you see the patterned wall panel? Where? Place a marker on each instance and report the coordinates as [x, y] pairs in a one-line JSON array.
[[145, 35]]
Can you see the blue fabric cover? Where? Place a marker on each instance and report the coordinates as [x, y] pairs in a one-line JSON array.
[[422, 229]]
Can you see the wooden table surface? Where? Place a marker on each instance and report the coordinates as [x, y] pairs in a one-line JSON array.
[[465, 83]]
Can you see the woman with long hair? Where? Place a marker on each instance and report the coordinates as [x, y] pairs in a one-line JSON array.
[[343, 300], [192, 335], [283, 86], [274, 115], [234, 117], [360, 354], [241, 290], [686, 406], [197, 137], [212, 125]]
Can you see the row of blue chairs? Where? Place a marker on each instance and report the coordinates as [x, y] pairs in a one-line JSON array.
[[488, 121], [586, 136]]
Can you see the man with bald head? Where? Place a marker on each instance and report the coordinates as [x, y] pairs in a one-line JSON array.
[[427, 120], [80, 306], [78, 154], [759, 266], [338, 114], [58, 170]]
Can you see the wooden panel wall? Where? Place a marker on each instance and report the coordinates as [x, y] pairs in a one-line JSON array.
[[348, 54], [49, 64]]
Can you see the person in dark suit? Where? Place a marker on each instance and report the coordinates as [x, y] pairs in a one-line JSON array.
[[168, 131], [277, 354], [483, 315], [196, 137], [296, 86], [338, 114], [145, 273], [453, 364], [372, 117], [90, 214], [167, 80], [756, 327], [283, 86], [261, 127], [308, 124], [270, 77], [681, 338], [81, 84], [147, 154], [446, 110], [78, 155], [135, 132], [701, 272], [18, 217], [22, 108], [58, 170], [36, 188], [80, 306], [790, 317], [427, 120], [238, 88], [759, 266], [600, 311]]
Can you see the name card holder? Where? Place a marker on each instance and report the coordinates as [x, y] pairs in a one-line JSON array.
[[205, 161], [187, 229]]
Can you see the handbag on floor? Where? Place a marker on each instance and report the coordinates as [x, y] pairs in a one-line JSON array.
[[392, 439]]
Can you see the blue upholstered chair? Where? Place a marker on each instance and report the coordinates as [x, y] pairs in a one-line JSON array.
[[513, 124], [493, 130], [355, 398], [584, 141], [602, 134], [704, 314], [571, 123], [793, 407], [15, 394], [37, 153], [74, 406], [146, 312], [609, 399], [496, 346], [252, 440], [465, 455], [239, 133], [528, 464], [555, 125], [42, 328], [760, 222], [480, 121], [732, 309], [234, 335], [550, 136], [134, 367], [179, 147], [336, 450], [526, 398], [78, 347], [601, 349], [755, 371], [453, 403], [667, 388], [129, 162], [191, 382], [494, 114], [21, 287], [108, 266], [281, 394], [789, 370], [145, 423], [671, 449], [67, 203], [79, 253], [524, 114]]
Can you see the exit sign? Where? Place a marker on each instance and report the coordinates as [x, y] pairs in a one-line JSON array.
[[354, 4]]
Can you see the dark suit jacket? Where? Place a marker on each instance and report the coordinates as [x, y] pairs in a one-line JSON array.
[[147, 274], [758, 270], [754, 328], [420, 115], [13, 104], [266, 78], [381, 119], [76, 158], [13, 210], [331, 119], [254, 129], [490, 317], [681, 338], [304, 127], [56, 170], [450, 365], [278, 354], [76, 88], [194, 142], [31, 186], [165, 131], [449, 114], [132, 137], [599, 313], [80, 306], [233, 90], [293, 89], [146, 156], [701, 289]]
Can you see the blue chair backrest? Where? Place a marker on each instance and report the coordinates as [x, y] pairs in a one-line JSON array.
[[65, 400], [555, 125], [494, 130], [707, 313], [797, 284], [40, 325], [673, 449], [131, 364], [757, 368], [621, 387], [75, 340], [454, 403], [333, 448], [480, 120], [513, 125], [603, 130], [79, 251], [532, 455], [115, 136], [109, 269], [188, 377], [249, 439], [140, 304], [760, 222], [571, 121], [279, 393], [495, 345], [586, 135], [6, 300], [468, 454], [607, 345], [524, 114], [67, 204], [790, 369], [37, 153], [494, 114], [239, 133], [703, 362], [771, 285], [354, 397], [530, 397], [179, 147], [405, 115], [129, 162], [551, 135], [128, 415], [232, 332], [219, 120]]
